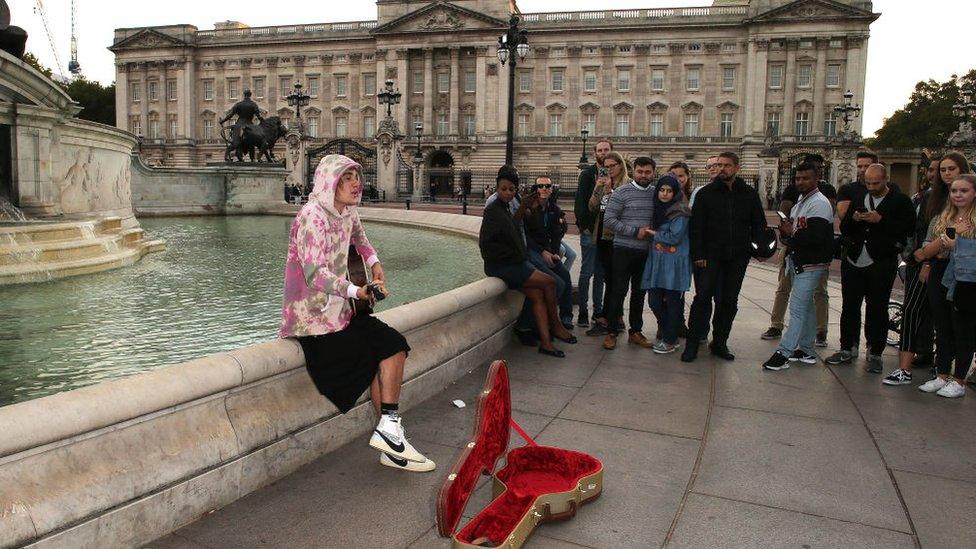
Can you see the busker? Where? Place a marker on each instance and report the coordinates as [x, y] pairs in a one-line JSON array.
[[726, 220], [809, 236], [345, 353]]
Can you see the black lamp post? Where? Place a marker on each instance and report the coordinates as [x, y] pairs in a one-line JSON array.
[[389, 97], [298, 99], [584, 133], [418, 131], [513, 46], [848, 111]]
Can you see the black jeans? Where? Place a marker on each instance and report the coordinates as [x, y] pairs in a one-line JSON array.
[[916, 318], [964, 328], [945, 339], [628, 269], [722, 278], [870, 286], [604, 254]]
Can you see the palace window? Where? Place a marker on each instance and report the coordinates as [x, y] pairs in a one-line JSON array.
[[257, 87], [657, 79], [443, 82], [418, 82], [693, 79], [589, 81], [802, 123], [443, 125], [772, 123], [341, 85], [623, 80], [557, 80], [341, 126], [467, 126], [691, 125], [804, 77], [135, 91], [313, 86], [172, 123], [830, 124], [524, 123], [623, 125], [470, 82], [369, 126], [313, 126], [833, 75], [284, 87], [589, 122], [369, 84], [555, 124], [726, 124], [233, 88], [657, 124], [728, 78], [153, 127], [776, 76], [171, 90], [153, 90], [208, 126], [525, 81], [135, 125]]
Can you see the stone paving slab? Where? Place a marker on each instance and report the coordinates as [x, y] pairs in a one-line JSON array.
[[709, 454]]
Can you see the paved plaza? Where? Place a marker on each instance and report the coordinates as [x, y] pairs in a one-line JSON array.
[[709, 454]]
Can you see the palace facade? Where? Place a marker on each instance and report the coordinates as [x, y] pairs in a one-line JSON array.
[[676, 83]]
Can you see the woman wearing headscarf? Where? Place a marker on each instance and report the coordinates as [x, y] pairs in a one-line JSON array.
[[667, 274], [344, 353]]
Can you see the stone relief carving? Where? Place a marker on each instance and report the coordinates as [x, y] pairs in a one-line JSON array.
[[441, 20]]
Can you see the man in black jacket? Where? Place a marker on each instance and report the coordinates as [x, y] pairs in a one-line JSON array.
[[585, 221], [875, 227], [726, 219]]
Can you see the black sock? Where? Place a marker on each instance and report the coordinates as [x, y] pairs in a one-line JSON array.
[[392, 410]]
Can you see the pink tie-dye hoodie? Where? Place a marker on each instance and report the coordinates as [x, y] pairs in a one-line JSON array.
[[316, 272]]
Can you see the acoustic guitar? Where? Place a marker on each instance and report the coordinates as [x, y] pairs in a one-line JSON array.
[[357, 275]]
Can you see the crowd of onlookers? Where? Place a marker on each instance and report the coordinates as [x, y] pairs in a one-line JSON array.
[[645, 233]]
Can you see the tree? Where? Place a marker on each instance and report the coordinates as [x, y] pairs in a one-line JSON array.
[[97, 101], [927, 119]]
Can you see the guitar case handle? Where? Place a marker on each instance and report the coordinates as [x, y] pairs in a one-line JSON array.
[[521, 432]]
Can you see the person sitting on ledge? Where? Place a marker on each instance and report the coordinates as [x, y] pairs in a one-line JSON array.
[[503, 248], [344, 353]]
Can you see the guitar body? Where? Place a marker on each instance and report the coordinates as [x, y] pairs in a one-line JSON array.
[[537, 484], [357, 275]]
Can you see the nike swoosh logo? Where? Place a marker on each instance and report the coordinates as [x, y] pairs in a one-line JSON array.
[[396, 447], [398, 461]]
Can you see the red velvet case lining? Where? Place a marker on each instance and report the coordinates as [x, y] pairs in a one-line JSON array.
[[530, 472]]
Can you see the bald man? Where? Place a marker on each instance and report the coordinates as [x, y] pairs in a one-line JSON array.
[[876, 227]]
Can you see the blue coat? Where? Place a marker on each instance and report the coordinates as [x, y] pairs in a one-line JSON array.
[[669, 265]]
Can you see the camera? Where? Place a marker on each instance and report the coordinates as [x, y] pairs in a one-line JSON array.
[[782, 216], [375, 292], [603, 172]]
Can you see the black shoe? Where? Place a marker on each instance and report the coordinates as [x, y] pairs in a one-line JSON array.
[[527, 338], [583, 322], [690, 353], [800, 356], [598, 330], [776, 362], [568, 325], [772, 333], [553, 353], [571, 339], [722, 352]]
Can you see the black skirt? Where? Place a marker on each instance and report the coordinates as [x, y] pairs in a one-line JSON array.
[[343, 364]]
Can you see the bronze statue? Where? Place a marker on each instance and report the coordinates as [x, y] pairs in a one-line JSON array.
[[246, 110], [12, 39]]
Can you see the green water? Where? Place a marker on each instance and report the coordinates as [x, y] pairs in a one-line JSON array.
[[217, 287]]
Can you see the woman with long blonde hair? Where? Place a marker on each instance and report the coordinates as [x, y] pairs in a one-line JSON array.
[[613, 174], [954, 324]]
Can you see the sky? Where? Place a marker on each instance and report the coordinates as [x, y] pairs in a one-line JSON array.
[[906, 43]]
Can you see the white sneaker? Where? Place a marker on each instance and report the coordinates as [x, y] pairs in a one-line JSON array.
[[933, 385], [953, 389], [407, 465], [388, 437]]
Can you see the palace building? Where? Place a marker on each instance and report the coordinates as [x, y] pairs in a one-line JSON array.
[[675, 83]]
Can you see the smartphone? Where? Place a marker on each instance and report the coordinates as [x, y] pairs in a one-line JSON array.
[[782, 216], [861, 209], [951, 232], [603, 172]]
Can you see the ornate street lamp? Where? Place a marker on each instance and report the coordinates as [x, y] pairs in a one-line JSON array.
[[389, 97], [848, 111], [965, 137], [583, 159], [513, 46], [298, 99]]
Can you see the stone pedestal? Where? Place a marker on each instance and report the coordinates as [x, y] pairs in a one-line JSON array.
[[295, 145], [388, 147], [843, 159]]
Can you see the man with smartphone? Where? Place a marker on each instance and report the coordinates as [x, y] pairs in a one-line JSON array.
[[876, 227], [590, 269], [790, 198]]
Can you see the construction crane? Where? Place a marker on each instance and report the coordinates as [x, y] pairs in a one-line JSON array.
[[74, 67]]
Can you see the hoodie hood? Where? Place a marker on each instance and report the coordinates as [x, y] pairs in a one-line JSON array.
[[327, 176]]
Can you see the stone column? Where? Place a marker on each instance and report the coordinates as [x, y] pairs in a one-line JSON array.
[[820, 86], [789, 86], [757, 75], [856, 65], [122, 98], [143, 79], [403, 76], [481, 110], [187, 98], [428, 91], [455, 90]]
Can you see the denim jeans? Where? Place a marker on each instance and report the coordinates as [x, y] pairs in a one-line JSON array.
[[590, 269], [569, 255], [668, 307], [564, 285], [802, 330]]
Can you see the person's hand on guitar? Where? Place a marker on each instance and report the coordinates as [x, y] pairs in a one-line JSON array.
[[378, 276]]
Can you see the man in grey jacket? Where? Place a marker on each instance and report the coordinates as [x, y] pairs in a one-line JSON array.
[[629, 215]]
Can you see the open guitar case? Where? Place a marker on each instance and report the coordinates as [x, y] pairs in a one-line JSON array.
[[537, 484]]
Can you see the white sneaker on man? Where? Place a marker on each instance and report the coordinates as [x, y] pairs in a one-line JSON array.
[[407, 465], [933, 385], [389, 437], [953, 389]]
